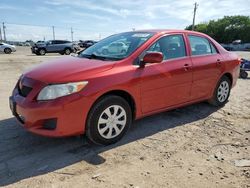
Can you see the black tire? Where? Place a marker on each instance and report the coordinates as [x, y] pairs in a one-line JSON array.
[[62, 53], [243, 74], [67, 51], [42, 51], [217, 99], [7, 50], [98, 110]]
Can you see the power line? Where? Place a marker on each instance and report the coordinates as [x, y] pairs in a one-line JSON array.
[[0, 34], [195, 9], [72, 37]]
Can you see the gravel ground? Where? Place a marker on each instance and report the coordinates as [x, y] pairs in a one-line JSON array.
[[194, 146]]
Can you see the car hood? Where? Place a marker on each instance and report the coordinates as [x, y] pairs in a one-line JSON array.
[[68, 69]]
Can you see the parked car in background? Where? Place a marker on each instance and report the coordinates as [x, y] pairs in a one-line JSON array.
[[7, 48], [100, 94], [53, 46], [244, 68], [86, 43], [76, 46], [40, 42], [115, 47]]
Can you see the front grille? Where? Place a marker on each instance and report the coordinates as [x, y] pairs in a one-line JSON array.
[[24, 90]]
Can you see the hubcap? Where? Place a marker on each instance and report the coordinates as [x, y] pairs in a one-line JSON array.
[[112, 121], [223, 91], [42, 52]]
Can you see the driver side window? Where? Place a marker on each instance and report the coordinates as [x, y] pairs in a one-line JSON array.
[[172, 46]]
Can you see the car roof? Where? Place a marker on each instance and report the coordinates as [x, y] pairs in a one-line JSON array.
[[166, 31]]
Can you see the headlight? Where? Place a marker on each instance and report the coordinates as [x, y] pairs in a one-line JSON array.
[[58, 90]]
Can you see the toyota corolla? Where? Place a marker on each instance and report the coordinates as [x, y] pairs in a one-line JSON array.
[[100, 94]]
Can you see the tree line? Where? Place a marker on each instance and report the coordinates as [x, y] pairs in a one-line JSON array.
[[226, 29]]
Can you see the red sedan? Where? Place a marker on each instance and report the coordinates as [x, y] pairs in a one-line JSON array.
[[101, 94]]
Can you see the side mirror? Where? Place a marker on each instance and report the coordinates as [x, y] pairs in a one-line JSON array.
[[152, 57]]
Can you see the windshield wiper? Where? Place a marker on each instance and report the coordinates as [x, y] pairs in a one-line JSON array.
[[94, 56]]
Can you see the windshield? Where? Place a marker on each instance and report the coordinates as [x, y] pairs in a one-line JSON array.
[[116, 47]]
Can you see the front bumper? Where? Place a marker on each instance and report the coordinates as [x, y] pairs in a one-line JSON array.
[[34, 50], [67, 114]]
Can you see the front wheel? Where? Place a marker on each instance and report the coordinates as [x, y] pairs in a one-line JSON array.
[[222, 92], [42, 51], [7, 50], [243, 74], [108, 120]]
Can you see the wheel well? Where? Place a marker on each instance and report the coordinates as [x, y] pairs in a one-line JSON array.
[[125, 95], [67, 48], [42, 49], [230, 77]]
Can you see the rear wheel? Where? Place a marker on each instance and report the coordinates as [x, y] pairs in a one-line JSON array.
[[222, 92], [7, 50], [108, 120], [67, 51]]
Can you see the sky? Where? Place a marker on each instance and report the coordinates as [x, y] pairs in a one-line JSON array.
[[96, 19]]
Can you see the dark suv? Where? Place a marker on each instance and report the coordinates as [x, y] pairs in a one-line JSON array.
[[53, 46]]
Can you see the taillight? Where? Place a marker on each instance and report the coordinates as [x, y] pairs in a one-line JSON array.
[[239, 61]]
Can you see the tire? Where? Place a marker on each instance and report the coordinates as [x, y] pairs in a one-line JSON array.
[[7, 50], [67, 51], [222, 92], [243, 74], [62, 53], [101, 126], [42, 51]]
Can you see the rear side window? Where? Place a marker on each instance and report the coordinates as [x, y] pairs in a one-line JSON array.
[[201, 46], [171, 46]]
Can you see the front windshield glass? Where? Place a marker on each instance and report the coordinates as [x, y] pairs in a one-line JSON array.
[[116, 47]]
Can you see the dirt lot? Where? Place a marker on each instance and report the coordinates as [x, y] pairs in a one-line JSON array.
[[194, 146]]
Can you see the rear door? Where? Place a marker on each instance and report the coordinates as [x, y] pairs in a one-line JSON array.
[[207, 66], [168, 83]]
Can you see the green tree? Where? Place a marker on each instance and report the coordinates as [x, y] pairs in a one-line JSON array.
[[227, 29]]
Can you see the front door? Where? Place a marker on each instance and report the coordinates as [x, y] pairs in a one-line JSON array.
[[168, 83]]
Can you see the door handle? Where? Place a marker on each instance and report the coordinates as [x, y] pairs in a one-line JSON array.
[[186, 66], [218, 62]]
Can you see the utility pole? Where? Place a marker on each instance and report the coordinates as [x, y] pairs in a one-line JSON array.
[[72, 36], [195, 9], [53, 28], [0, 35], [4, 34]]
